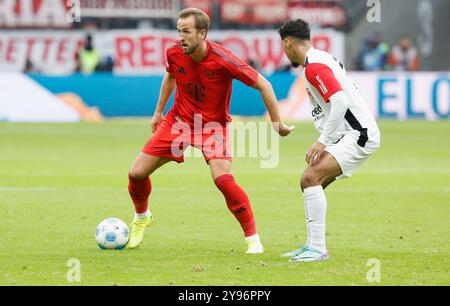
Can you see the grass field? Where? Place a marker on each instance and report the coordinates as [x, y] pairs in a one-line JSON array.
[[58, 181]]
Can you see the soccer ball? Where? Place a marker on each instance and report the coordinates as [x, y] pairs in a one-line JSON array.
[[112, 234]]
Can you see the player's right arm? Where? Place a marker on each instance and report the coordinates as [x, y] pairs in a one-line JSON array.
[[167, 86]]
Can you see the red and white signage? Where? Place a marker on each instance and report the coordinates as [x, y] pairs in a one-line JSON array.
[[59, 13], [204, 5], [34, 13], [143, 52], [322, 15], [277, 11], [50, 52], [247, 12], [130, 8]]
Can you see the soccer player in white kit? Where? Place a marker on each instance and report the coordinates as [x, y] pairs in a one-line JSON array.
[[349, 133]]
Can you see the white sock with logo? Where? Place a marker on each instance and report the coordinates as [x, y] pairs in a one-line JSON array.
[[316, 211]]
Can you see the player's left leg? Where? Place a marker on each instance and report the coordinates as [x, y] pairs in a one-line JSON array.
[[237, 202], [314, 180]]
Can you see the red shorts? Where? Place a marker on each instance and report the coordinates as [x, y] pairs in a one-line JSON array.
[[173, 137]]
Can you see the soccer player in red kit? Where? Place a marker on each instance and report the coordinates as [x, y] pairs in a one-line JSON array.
[[202, 72]]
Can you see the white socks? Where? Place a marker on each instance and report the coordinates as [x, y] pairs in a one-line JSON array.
[[252, 238], [143, 215], [254, 245], [316, 211]]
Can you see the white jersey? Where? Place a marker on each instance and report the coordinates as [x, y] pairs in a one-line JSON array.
[[325, 76]]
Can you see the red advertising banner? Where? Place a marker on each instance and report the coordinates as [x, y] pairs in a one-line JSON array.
[[322, 15], [204, 5], [130, 8], [277, 11], [59, 13], [144, 51], [50, 52], [34, 13], [253, 12]]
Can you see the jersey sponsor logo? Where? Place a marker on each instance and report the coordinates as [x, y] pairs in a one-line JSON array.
[[196, 91], [317, 114], [322, 86], [316, 111]]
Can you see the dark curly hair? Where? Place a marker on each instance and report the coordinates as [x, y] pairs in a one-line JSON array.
[[296, 28]]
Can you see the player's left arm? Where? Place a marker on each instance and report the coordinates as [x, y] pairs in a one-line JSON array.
[[249, 76], [339, 106], [271, 103]]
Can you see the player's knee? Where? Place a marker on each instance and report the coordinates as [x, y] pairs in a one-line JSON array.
[[309, 179], [219, 168], [137, 173]]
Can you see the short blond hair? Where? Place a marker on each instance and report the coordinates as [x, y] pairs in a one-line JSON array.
[[201, 18]]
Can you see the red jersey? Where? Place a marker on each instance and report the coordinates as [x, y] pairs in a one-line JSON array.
[[204, 87]]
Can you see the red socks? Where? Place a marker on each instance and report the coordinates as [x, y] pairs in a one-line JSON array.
[[237, 202], [139, 192], [236, 198]]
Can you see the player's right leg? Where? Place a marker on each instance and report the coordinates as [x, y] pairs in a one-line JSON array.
[[140, 187], [340, 161], [158, 151]]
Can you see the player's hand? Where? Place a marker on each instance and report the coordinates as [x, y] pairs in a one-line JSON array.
[[156, 121], [283, 129], [314, 154]]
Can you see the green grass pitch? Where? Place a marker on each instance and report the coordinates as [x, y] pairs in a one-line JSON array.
[[58, 181]]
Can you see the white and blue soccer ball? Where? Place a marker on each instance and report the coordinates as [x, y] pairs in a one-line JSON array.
[[112, 234]]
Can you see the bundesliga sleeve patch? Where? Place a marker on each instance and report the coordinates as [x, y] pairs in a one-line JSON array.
[[323, 79], [322, 86]]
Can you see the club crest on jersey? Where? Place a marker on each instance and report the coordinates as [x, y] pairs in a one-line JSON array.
[[209, 73], [196, 91], [322, 86]]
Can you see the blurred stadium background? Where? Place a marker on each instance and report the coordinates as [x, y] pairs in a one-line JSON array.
[[83, 51], [60, 62]]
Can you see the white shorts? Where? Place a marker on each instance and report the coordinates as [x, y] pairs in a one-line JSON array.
[[349, 154]]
